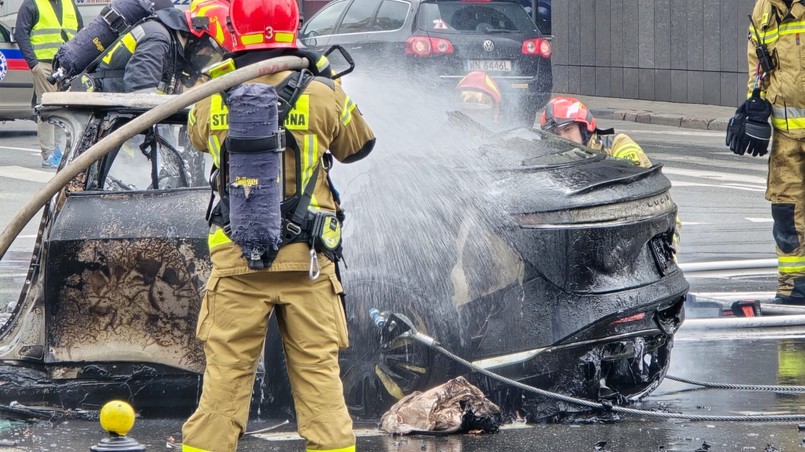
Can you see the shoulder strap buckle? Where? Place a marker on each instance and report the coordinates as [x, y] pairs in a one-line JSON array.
[[115, 21]]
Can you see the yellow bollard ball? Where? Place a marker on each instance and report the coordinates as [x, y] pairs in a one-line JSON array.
[[117, 417]]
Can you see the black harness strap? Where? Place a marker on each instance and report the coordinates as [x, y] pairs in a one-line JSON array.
[[295, 208]]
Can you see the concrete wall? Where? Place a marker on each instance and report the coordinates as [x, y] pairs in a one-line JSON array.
[[690, 51]]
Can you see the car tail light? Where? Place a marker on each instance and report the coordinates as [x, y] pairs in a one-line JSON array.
[[541, 47], [631, 318], [423, 46]]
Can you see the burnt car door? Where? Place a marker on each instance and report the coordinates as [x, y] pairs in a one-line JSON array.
[[125, 255]]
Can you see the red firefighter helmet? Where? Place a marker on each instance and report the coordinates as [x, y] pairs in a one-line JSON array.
[[209, 16], [478, 90], [564, 110], [264, 24]]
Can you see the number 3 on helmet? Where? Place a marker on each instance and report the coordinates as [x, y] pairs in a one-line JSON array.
[[263, 24]]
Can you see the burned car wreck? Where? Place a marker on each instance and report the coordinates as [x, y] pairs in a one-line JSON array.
[[541, 261]]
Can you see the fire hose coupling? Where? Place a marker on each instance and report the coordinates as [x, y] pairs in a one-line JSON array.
[[377, 317], [395, 326]]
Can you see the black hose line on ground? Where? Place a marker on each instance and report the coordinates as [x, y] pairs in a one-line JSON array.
[[601, 406], [397, 326], [737, 387]]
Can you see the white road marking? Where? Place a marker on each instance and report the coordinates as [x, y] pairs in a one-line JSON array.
[[716, 176], [31, 150], [700, 133], [27, 174], [752, 220], [760, 220], [359, 432], [293, 436], [729, 186]]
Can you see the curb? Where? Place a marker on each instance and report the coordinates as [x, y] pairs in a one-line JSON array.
[[663, 119]]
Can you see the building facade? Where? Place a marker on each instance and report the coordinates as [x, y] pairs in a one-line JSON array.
[[690, 51]]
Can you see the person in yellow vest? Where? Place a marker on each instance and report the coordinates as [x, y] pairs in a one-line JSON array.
[[777, 92], [42, 27], [297, 279]]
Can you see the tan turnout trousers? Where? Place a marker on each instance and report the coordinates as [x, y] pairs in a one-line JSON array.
[[786, 191], [232, 323]]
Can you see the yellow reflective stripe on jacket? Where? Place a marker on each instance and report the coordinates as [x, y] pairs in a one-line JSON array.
[[214, 146], [791, 264], [346, 114], [129, 41], [788, 118], [310, 160], [773, 34], [789, 124], [46, 34], [217, 238], [343, 449]]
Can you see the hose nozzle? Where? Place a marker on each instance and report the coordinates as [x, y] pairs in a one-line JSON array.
[[377, 317]]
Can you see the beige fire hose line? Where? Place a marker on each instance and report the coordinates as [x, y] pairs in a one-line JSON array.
[[118, 137]]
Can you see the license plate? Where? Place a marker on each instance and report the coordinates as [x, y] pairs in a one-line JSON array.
[[489, 65], [663, 254]]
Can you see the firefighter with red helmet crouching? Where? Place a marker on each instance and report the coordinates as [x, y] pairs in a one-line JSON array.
[[478, 92], [571, 119], [274, 232]]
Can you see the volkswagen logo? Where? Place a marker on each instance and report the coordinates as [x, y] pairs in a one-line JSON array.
[[489, 45]]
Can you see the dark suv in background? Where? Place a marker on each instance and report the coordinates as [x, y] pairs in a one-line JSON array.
[[443, 41]]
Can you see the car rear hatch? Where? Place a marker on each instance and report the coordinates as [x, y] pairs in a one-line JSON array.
[[493, 36]]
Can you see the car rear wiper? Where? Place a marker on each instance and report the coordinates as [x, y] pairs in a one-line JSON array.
[[499, 30]]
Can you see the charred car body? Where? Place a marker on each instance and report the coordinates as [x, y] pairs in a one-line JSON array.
[[545, 262]]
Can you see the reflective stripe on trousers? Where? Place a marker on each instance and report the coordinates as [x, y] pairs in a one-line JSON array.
[[786, 192]]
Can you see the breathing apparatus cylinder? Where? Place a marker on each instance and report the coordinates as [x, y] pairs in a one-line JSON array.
[[78, 53], [254, 147]]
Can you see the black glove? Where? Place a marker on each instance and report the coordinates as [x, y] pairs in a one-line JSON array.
[[749, 129]]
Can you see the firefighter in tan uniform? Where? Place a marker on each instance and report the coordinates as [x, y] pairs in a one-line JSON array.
[[300, 284], [776, 56], [571, 119]]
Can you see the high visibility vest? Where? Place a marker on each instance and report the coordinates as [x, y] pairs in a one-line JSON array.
[[46, 35]]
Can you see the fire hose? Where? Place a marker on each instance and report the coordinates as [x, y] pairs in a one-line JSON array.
[[118, 137], [396, 326]]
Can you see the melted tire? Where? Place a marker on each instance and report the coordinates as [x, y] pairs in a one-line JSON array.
[[375, 377]]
